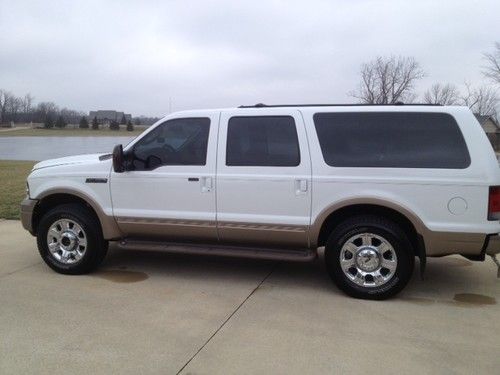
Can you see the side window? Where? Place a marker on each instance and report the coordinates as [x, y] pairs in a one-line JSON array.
[[175, 142], [262, 141], [391, 140]]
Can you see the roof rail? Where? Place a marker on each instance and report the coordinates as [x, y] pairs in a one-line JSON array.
[[262, 105]]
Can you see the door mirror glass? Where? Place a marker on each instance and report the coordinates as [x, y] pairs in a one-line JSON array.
[[118, 159]]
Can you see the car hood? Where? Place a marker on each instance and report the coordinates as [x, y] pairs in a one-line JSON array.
[[77, 159]]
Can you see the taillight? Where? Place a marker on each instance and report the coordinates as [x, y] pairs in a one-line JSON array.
[[494, 203]]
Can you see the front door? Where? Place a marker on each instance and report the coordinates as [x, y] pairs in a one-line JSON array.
[[169, 193], [263, 178]]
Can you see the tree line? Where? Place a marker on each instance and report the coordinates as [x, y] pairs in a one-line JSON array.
[[389, 80], [22, 109], [113, 125]]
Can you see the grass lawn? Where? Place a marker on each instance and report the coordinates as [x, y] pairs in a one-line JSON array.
[[13, 188], [71, 133]]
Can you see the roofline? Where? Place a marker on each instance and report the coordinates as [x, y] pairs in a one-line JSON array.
[[261, 105]]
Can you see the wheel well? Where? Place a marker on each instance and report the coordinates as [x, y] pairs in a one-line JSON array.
[[343, 213], [54, 200]]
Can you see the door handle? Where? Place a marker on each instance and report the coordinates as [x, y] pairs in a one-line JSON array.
[[206, 184], [193, 179], [301, 187]]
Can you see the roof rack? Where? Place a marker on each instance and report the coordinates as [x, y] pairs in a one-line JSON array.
[[262, 105]]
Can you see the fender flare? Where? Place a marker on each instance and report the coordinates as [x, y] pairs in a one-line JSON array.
[[109, 226]]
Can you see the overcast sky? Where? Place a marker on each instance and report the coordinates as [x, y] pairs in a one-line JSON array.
[[135, 55]]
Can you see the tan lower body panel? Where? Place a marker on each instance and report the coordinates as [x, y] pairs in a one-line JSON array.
[[226, 232], [263, 234], [27, 207], [272, 235], [447, 243], [168, 229]]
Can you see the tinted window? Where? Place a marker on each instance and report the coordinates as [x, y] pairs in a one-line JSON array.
[[262, 141], [396, 139], [175, 142]]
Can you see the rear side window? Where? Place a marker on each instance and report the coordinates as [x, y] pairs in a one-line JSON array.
[[391, 140], [262, 141]]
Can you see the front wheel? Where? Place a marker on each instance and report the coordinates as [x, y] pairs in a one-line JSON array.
[[369, 257], [70, 240]]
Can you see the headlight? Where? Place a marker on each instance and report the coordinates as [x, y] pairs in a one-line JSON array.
[[27, 189]]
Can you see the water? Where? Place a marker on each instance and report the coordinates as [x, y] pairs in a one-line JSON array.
[[42, 148]]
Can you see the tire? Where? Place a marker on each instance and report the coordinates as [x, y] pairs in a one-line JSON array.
[[369, 257], [75, 244]]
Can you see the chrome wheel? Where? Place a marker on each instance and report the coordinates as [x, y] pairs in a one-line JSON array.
[[368, 260], [67, 241]]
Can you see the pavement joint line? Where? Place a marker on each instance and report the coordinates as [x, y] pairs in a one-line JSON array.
[[229, 317], [20, 269]]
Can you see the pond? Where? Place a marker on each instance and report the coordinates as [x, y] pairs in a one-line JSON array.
[[42, 148]]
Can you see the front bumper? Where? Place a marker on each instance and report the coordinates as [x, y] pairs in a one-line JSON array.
[[27, 208]]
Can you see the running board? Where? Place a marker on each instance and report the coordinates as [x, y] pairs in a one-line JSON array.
[[301, 255]]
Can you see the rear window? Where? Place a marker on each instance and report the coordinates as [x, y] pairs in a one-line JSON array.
[[391, 140]]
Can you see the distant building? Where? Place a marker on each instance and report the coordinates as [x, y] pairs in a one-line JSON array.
[[106, 116], [491, 128]]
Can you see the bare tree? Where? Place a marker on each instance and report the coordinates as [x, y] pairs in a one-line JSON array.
[[4, 103], [482, 100], [388, 80], [442, 94], [27, 103], [71, 116], [13, 105], [27, 107], [13, 108], [45, 110], [492, 70]]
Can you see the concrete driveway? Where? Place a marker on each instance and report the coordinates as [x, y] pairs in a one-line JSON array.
[[155, 313]]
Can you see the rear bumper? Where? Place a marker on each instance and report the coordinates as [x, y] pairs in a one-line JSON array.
[[27, 208], [492, 244]]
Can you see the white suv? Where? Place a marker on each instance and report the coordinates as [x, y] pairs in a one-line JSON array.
[[375, 185]]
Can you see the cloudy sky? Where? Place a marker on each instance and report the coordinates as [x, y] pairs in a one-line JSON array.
[[135, 55]]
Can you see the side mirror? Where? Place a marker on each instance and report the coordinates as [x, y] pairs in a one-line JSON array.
[[153, 162], [118, 160]]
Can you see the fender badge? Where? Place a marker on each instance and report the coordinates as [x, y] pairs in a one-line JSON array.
[[96, 180]]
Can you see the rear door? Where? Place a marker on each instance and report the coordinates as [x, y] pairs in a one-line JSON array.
[[263, 178]]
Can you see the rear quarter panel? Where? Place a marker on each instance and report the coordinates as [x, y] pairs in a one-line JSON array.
[[423, 195]]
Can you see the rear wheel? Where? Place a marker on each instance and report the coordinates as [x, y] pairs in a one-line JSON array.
[[70, 240], [369, 257]]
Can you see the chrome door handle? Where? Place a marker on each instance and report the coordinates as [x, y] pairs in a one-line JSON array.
[[301, 187], [206, 184]]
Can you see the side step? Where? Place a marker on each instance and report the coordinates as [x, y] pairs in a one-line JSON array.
[[301, 255]]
